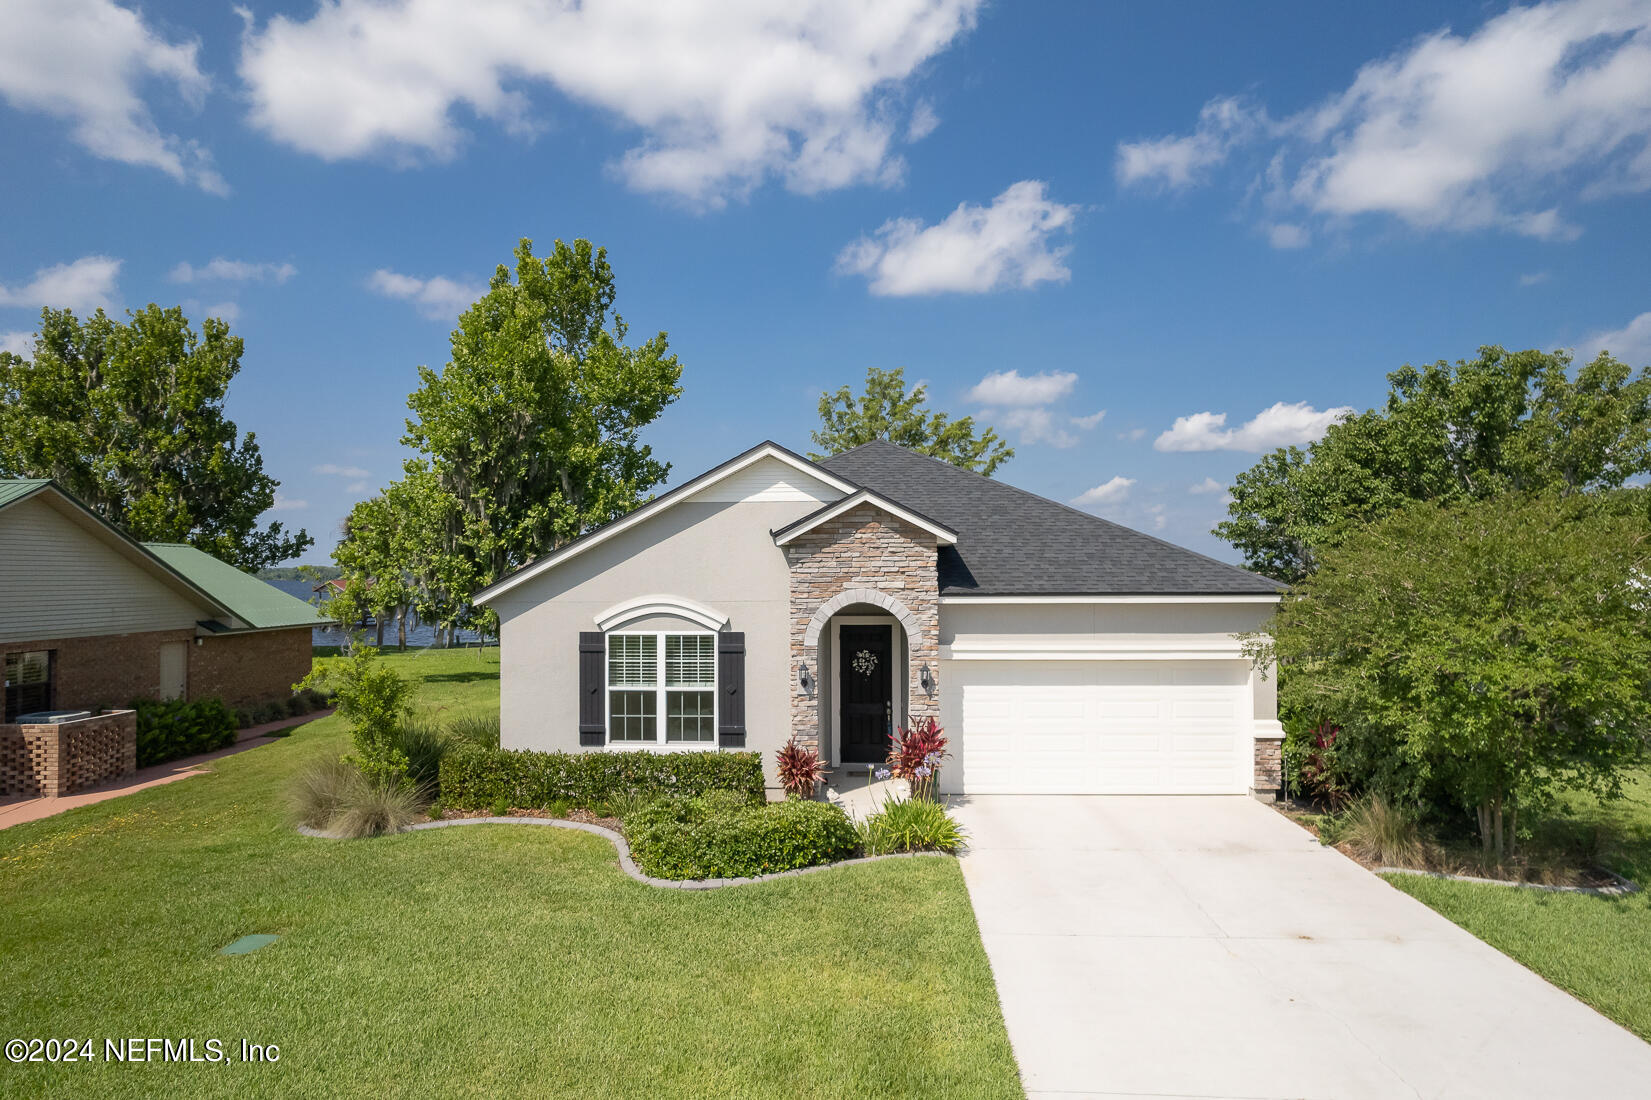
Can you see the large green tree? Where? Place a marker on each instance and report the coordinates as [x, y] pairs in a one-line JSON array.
[[129, 417], [888, 410], [1481, 654], [532, 427], [1503, 422]]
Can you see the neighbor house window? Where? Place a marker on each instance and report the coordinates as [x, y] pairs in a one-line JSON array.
[[29, 682], [655, 676]]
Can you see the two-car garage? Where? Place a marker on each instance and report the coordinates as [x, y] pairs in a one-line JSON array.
[[1103, 726]]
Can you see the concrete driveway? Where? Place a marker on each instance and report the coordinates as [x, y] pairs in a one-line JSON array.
[[1208, 947]]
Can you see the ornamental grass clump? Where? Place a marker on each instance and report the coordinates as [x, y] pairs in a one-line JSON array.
[[912, 825], [337, 798], [915, 756], [800, 769]]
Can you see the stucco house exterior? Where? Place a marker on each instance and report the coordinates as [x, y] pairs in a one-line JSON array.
[[836, 601], [92, 619]]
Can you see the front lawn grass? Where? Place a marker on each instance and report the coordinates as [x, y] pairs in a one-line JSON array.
[[481, 961], [1597, 948]]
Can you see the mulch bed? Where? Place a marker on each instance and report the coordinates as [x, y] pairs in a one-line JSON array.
[[1443, 861], [584, 817]]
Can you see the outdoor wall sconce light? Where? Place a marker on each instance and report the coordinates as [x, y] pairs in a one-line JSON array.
[[926, 678], [804, 679]]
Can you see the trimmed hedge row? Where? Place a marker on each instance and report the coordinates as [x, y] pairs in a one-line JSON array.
[[474, 777], [170, 728], [726, 836]]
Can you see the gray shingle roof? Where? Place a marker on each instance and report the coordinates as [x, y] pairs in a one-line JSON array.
[[1014, 543]]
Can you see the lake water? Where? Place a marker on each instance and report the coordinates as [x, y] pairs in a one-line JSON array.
[[418, 634]]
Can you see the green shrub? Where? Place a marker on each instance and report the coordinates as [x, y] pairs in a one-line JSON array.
[[336, 797], [268, 712], [913, 825], [375, 700], [473, 778], [170, 728], [723, 835], [480, 730], [243, 718], [422, 744]]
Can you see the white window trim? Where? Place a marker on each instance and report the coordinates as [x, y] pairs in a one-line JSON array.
[[659, 744]]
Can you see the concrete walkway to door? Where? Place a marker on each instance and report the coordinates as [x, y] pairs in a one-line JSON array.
[[1207, 947]]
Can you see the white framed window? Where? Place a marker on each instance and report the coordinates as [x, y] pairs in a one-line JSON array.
[[662, 688]]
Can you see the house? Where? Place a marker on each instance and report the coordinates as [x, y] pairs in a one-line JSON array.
[[775, 596], [90, 618]]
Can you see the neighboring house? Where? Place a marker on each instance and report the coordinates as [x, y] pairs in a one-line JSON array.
[[90, 618], [775, 596]]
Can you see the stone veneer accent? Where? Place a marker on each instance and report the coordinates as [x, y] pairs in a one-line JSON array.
[[52, 759], [1269, 768], [864, 548]]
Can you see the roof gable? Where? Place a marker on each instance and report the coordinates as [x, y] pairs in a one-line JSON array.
[[690, 489], [1011, 542]]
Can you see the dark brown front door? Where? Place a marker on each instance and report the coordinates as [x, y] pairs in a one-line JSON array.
[[865, 687]]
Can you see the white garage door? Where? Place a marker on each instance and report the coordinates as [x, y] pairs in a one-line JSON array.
[[1103, 727]]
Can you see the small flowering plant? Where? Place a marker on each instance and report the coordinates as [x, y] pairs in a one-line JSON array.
[[915, 756]]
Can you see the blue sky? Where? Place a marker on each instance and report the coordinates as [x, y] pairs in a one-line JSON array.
[[1218, 223]]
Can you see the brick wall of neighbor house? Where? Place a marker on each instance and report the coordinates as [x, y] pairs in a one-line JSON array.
[[110, 670], [1269, 767], [864, 548], [59, 759], [247, 669]]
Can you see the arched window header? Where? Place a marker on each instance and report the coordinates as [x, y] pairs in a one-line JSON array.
[[643, 606]]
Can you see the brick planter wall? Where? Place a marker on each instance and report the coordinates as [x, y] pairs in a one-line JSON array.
[[870, 550], [57, 759]]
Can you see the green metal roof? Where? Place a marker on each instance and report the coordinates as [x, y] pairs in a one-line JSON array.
[[19, 488], [261, 606]]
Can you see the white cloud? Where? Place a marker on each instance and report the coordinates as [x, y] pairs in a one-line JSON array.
[[1034, 425], [1534, 278], [18, 343], [358, 487], [232, 271], [224, 311], [1090, 421], [1288, 235], [976, 249], [723, 95], [1461, 132], [923, 121], [1009, 387], [1280, 425], [1631, 343], [83, 61], [335, 470], [437, 298], [1208, 485], [1106, 494], [286, 504], [1133, 435], [1179, 162], [85, 284]]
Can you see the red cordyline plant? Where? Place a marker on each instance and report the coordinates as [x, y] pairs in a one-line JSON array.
[[800, 769], [915, 756]]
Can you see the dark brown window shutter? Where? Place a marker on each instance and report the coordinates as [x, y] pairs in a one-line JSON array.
[[593, 721], [731, 689]]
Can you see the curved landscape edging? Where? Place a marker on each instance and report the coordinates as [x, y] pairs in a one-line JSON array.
[[1621, 888], [627, 864]]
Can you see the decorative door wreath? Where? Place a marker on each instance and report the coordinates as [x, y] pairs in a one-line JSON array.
[[865, 662]]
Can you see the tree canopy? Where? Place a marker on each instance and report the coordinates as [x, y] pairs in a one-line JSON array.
[[527, 438], [1503, 422], [1478, 654], [129, 417], [888, 410]]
